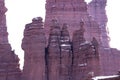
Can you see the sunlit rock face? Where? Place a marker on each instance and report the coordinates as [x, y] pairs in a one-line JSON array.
[[33, 44], [9, 61]]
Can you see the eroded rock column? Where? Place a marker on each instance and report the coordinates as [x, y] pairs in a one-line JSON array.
[[9, 61], [66, 54], [54, 52], [85, 56], [33, 44]]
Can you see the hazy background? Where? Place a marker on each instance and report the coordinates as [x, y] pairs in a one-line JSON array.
[[20, 12]]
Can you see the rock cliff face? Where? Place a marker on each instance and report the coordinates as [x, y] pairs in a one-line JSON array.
[[66, 54], [33, 44], [59, 53], [61, 59], [77, 45], [9, 61], [71, 12], [54, 52], [96, 8], [86, 57], [108, 56]]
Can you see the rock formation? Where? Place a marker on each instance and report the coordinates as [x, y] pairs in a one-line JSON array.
[[71, 12], [96, 8], [108, 56], [76, 47], [33, 44], [73, 46], [86, 56], [66, 54], [54, 51], [9, 61]]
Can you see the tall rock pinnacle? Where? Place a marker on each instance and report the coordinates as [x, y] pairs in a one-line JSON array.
[[71, 12], [33, 44], [77, 50], [54, 51], [96, 8], [86, 60], [9, 61], [3, 28]]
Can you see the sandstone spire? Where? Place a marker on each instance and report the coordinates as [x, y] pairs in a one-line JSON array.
[[71, 12], [54, 51], [85, 57], [66, 54], [33, 44], [3, 27], [9, 61], [96, 8], [74, 51]]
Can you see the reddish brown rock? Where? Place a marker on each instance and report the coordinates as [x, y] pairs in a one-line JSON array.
[[9, 61], [54, 51], [79, 52], [66, 54], [85, 56], [109, 61], [71, 12], [96, 9], [33, 44]]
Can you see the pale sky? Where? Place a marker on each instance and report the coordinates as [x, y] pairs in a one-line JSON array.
[[20, 12]]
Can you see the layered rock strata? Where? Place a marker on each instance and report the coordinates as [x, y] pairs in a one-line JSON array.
[[54, 51], [86, 57], [97, 10], [71, 12], [66, 54], [9, 61], [33, 44]]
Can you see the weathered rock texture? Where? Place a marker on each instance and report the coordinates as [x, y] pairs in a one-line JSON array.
[[9, 61], [54, 52], [66, 54], [109, 60], [77, 46], [86, 57], [71, 12], [96, 9], [33, 44], [59, 53]]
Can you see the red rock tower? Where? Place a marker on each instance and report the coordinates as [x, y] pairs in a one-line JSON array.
[[71, 12], [33, 44], [66, 54], [54, 52], [77, 45], [9, 61], [85, 56], [96, 8]]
